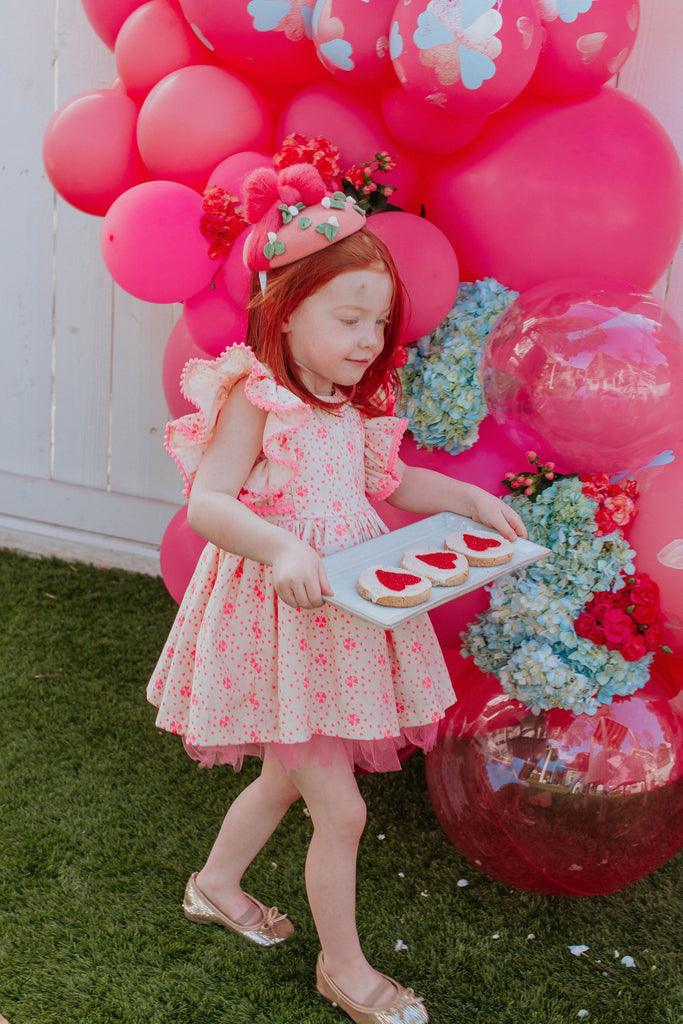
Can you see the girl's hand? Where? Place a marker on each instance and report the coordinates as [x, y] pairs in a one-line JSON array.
[[491, 511], [299, 576]]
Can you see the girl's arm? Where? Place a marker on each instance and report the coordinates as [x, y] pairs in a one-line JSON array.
[[427, 492], [215, 513]]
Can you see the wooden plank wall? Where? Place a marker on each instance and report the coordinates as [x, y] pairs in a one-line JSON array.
[[83, 473]]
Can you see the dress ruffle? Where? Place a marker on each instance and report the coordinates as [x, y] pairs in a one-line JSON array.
[[207, 383], [383, 436]]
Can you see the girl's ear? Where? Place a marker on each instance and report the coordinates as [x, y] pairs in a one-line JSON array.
[[285, 327]]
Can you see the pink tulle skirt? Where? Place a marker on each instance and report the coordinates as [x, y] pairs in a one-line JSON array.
[[377, 755]]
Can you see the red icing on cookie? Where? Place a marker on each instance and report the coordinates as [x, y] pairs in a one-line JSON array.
[[480, 543], [440, 559], [396, 580]]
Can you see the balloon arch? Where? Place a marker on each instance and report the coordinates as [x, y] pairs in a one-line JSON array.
[[512, 160]]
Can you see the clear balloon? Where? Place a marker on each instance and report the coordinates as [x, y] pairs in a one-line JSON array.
[[268, 41], [90, 150], [180, 551], [351, 38], [560, 803], [656, 534], [196, 117], [154, 41], [553, 189], [424, 127], [588, 373], [584, 46], [213, 319], [353, 124], [468, 59], [426, 264], [152, 244], [180, 348]]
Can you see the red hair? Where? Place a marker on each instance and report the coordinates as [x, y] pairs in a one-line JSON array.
[[288, 286]]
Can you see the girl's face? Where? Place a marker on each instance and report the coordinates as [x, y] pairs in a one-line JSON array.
[[337, 332]]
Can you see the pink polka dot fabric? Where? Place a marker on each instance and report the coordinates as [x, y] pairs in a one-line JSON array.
[[242, 672]]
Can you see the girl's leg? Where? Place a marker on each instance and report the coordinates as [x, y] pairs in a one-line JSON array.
[[337, 811], [251, 820]]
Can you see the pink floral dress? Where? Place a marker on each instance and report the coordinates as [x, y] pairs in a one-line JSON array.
[[241, 671]]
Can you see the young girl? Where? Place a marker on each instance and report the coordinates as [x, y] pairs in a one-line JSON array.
[[294, 431]]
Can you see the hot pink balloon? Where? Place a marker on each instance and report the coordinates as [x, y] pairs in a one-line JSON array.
[[351, 38], [553, 189], [107, 17], [231, 172], [236, 277], [426, 264], [349, 120], [154, 41], [587, 373], [152, 244], [90, 150], [180, 348], [656, 534], [196, 117], [213, 319], [269, 41], [424, 127], [180, 550], [583, 47], [468, 59]]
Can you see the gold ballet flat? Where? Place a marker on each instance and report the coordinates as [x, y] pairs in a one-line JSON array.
[[272, 928], [405, 1008]]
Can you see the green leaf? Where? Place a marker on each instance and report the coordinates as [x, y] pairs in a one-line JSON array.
[[275, 248], [305, 222]]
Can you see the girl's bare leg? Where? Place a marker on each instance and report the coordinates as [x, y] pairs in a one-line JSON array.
[[338, 814], [251, 820]]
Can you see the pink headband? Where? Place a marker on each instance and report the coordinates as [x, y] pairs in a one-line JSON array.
[[293, 215]]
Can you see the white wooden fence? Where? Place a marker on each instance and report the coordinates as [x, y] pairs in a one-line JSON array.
[[83, 473]]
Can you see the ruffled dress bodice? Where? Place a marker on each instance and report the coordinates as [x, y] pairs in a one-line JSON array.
[[241, 670]]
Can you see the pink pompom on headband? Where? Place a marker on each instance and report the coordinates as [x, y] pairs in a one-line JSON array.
[[293, 215]]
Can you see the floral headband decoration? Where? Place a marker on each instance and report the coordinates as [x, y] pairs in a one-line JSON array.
[[224, 217]]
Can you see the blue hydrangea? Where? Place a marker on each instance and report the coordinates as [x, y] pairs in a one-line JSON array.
[[527, 639], [442, 395]]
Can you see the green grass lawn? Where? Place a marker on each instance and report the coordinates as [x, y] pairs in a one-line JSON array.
[[102, 819]]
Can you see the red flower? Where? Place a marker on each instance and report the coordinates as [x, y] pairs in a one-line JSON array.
[[221, 222], [633, 649], [585, 625], [297, 149], [644, 590], [618, 626], [653, 636], [645, 614]]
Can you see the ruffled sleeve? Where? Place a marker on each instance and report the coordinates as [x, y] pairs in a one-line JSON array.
[[383, 436], [207, 384]]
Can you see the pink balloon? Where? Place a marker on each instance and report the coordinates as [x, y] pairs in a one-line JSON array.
[[180, 550], [180, 348], [583, 49], [231, 172], [426, 264], [154, 41], [424, 127], [657, 536], [556, 189], [354, 125], [213, 319], [152, 244], [236, 277], [351, 38], [268, 41], [467, 59], [90, 150], [197, 116], [587, 373], [107, 17]]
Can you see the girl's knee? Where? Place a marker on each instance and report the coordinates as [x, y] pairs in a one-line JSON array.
[[345, 818]]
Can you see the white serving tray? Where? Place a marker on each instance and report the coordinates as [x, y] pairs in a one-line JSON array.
[[344, 567]]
